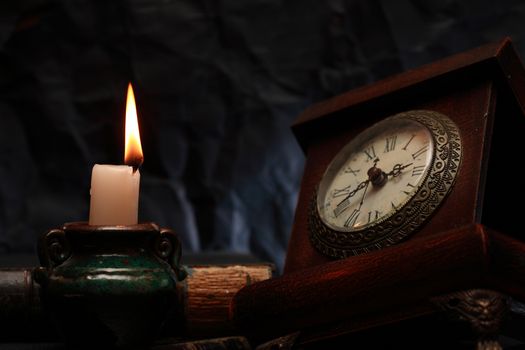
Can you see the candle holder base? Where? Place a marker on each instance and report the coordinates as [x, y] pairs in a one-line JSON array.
[[110, 286]]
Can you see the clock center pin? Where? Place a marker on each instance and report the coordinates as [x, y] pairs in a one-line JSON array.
[[376, 176]]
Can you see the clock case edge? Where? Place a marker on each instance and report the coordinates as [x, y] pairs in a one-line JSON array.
[[494, 79]]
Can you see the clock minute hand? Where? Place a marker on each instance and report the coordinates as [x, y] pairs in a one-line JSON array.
[[378, 178], [364, 194]]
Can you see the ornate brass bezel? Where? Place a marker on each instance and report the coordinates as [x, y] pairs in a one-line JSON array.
[[408, 218]]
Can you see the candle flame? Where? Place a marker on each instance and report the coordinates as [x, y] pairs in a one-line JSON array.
[[133, 151]]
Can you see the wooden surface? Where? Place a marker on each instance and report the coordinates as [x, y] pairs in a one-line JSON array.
[[209, 291], [385, 286]]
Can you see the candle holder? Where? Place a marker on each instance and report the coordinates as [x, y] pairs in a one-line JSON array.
[[110, 286]]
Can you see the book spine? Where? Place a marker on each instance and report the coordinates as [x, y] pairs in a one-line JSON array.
[[209, 292]]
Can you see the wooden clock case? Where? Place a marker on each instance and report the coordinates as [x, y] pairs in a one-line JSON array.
[[473, 240], [468, 88]]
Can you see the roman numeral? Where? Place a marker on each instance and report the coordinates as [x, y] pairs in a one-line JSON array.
[[352, 171], [390, 143], [373, 215], [350, 222], [341, 207], [409, 185], [422, 150], [418, 170], [411, 138], [342, 192], [370, 153]]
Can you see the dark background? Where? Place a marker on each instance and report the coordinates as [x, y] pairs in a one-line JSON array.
[[218, 84]]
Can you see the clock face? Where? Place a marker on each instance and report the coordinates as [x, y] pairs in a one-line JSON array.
[[375, 175], [385, 183]]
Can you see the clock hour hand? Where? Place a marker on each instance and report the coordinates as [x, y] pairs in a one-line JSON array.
[[342, 205]]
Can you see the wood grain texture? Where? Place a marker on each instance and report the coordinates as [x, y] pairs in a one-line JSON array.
[[507, 258], [209, 291], [384, 286]]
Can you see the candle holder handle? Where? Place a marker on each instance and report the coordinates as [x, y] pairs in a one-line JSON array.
[[53, 248], [167, 246]]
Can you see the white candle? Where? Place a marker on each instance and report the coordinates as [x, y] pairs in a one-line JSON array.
[[115, 188], [114, 195]]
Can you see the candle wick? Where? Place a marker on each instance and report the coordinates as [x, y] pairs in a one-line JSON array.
[[134, 162]]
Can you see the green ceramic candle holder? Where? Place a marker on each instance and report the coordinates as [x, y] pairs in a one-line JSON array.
[[110, 286]]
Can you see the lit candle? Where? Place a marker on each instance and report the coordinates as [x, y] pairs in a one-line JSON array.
[[115, 188]]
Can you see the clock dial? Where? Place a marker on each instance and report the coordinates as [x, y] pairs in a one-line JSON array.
[[385, 183], [398, 154]]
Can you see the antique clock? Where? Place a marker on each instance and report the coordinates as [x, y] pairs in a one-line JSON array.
[[385, 183], [411, 190], [407, 157]]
